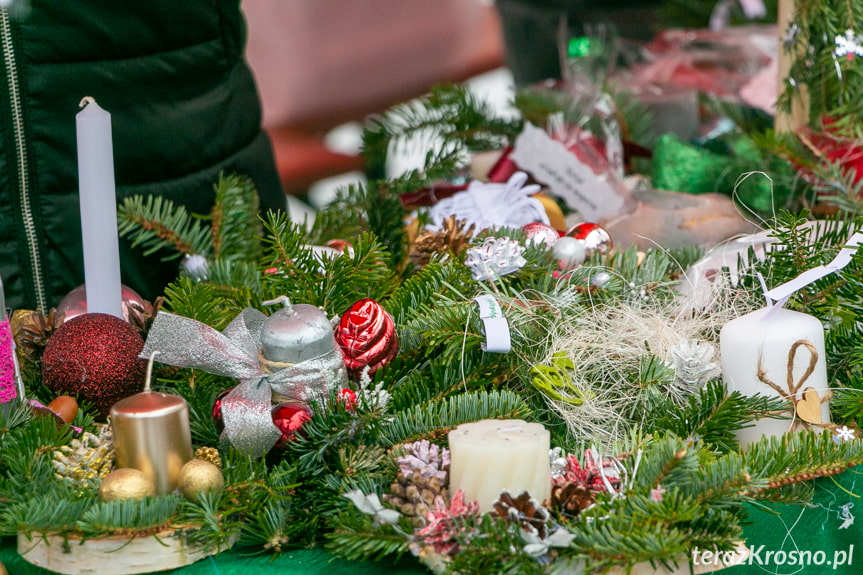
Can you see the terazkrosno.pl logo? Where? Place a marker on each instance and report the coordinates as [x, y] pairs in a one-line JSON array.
[[761, 555]]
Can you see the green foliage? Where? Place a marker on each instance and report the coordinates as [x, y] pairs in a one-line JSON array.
[[129, 515], [155, 223], [794, 457], [834, 82], [358, 209], [418, 421], [358, 538], [712, 415], [333, 283], [235, 226], [447, 116], [201, 301]]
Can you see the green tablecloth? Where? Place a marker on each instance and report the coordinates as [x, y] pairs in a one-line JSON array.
[[299, 562], [818, 539]]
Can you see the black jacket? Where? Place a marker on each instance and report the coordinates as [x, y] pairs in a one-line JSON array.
[[183, 105]]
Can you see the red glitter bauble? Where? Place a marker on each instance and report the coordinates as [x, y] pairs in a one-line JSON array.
[[367, 336], [290, 417], [95, 358]]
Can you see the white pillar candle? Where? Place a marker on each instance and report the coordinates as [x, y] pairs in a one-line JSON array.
[[768, 336], [98, 210], [491, 455]]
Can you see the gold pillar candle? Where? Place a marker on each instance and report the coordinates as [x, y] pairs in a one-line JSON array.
[[151, 433], [491, 455]]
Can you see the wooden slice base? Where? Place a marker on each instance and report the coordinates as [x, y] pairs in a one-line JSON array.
[[112, 555]]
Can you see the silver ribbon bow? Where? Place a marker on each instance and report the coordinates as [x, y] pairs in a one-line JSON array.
[[234, 352]]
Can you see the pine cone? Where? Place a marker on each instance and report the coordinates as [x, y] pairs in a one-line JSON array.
[[570, 499], [523, 509], [452, 238], [85, 461], [414, 495], [209, 454], [31, 330]]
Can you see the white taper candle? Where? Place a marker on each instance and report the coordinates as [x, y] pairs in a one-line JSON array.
[[98, 210]]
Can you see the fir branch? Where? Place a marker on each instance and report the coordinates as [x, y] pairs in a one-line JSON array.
[[238, 282], [128, 517], [357, 538], [421, 419], [44, 514], [418, 290], [358, 209], [713, 415], [268, 529], [199, 301], [212, 528], [155, 223], [453, 114], [722, 483], [235, 226], [796, 457], [331, 282], [668, 461]]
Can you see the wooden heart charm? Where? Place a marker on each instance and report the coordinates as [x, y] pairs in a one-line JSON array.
[[809, 408]]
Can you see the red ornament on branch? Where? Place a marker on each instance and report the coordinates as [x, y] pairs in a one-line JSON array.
[[290, 417], [367, 336]]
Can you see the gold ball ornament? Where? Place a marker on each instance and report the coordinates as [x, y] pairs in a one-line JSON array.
[[198, 476], [126, 483], [3, 570]]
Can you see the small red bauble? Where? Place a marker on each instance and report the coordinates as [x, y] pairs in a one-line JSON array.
[[218, 420], [348, 398], [95, 358], [290, 417], [596, 238], [367, 335]]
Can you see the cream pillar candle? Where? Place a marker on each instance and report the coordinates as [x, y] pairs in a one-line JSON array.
[[98, 210], [491, 455], [767, 340]]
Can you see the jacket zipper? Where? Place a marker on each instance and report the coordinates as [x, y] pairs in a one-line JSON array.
[[21, 159]]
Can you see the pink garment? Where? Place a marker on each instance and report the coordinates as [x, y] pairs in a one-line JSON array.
[[8, 391]]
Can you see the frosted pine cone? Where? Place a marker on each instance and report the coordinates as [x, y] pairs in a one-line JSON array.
[[429, 459], [85, 461]]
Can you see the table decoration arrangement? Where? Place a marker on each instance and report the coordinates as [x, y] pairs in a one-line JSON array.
[[484, 364]]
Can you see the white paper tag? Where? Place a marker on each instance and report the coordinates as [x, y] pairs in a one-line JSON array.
[[497, 339], [842, 259], [552, 164]]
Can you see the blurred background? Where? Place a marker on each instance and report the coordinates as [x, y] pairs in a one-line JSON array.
[[323, 66]]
